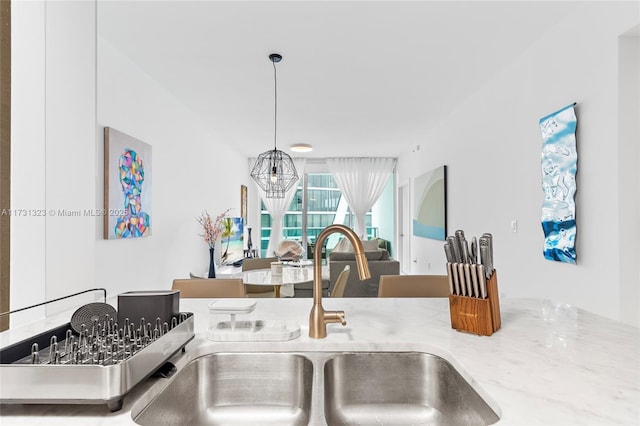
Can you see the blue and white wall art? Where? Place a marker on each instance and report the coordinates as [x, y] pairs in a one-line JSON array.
[[430, 204], [559, 167]]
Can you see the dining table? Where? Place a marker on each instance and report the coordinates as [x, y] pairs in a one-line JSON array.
[[290, 276]]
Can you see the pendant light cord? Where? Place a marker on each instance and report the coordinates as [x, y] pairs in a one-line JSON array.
[[275, 109]]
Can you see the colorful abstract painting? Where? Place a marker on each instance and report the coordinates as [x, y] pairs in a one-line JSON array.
[[127, 186], [232, 240], [559, 167], [430, 204]]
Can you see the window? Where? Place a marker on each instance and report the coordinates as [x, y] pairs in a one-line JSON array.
[[323, 205]]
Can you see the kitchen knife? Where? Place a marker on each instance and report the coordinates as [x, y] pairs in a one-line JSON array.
[[460, 241], [489, 236], [485, 256], [450, 276], [483, 253], [465, 248], [463, 283], [448, 252], [474, 250], [474, 279], [491, 259], [456, 250], [467, 277], [482, 282]]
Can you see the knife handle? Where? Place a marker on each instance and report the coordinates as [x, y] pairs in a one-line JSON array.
[[453, 243], [485, 253], [474, 250], [450, 276], [459, 237], [447, 252], [489, 238]]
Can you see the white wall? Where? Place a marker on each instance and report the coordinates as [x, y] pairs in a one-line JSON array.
[[193, 170], [53, 129], [491, 144], [58, 113], [628, 176], [28, 243]]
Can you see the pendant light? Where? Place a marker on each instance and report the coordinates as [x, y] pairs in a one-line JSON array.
[[274, 170]]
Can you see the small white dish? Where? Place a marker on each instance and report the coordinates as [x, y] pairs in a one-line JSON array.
[[232, 306]]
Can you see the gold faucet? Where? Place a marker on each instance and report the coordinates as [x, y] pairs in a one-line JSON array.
[[319, 318]]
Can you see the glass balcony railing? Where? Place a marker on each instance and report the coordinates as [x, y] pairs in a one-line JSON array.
[[295, 233]]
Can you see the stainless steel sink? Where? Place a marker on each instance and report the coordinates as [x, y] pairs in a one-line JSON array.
[[387, 388], [315, 388], [236, 389]]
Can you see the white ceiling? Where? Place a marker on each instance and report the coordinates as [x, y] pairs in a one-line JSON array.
[[357, 79]]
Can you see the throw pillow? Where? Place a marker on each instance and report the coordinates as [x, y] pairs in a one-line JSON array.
[[370, 245], [345, 246]]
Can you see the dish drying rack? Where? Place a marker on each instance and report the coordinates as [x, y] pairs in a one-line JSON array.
[[96, 362]]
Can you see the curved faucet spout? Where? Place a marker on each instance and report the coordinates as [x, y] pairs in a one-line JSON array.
[[319, 318]]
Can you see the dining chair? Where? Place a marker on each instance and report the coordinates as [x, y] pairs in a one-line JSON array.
[[305, 289], [413, 286], [250, 264], [209, 287], [341, 282]]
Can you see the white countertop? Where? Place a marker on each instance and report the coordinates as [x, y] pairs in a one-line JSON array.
[[547, 365]]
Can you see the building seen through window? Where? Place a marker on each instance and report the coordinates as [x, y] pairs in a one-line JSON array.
[[325, 205]]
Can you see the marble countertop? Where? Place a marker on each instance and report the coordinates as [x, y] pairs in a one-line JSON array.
[[549, 364]]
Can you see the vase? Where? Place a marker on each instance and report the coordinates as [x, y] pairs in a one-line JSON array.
[[212, 263], [249, 242]]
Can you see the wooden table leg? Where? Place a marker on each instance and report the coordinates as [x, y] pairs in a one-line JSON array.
[[276, 289]]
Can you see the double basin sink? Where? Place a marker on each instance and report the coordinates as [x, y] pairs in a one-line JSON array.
[[317, 388]]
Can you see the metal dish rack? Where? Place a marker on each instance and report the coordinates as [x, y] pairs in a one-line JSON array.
[[97, 366]]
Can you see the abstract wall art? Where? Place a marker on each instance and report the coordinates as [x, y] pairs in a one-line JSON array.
[[430, 204], [127, 186], [559, 166]]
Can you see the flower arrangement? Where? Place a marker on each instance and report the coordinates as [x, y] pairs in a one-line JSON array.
[[212, 230]]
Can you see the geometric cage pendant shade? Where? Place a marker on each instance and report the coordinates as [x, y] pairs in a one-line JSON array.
[[274, 170], [275, 173]]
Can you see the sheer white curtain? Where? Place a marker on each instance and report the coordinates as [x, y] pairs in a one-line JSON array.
[[277, 207], [361, 181]]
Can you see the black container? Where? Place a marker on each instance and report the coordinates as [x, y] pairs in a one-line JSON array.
[[149, 305]]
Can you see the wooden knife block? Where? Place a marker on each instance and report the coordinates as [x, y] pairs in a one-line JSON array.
[[477, 316]]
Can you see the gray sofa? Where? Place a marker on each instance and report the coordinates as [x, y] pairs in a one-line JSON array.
[[379, 264]]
